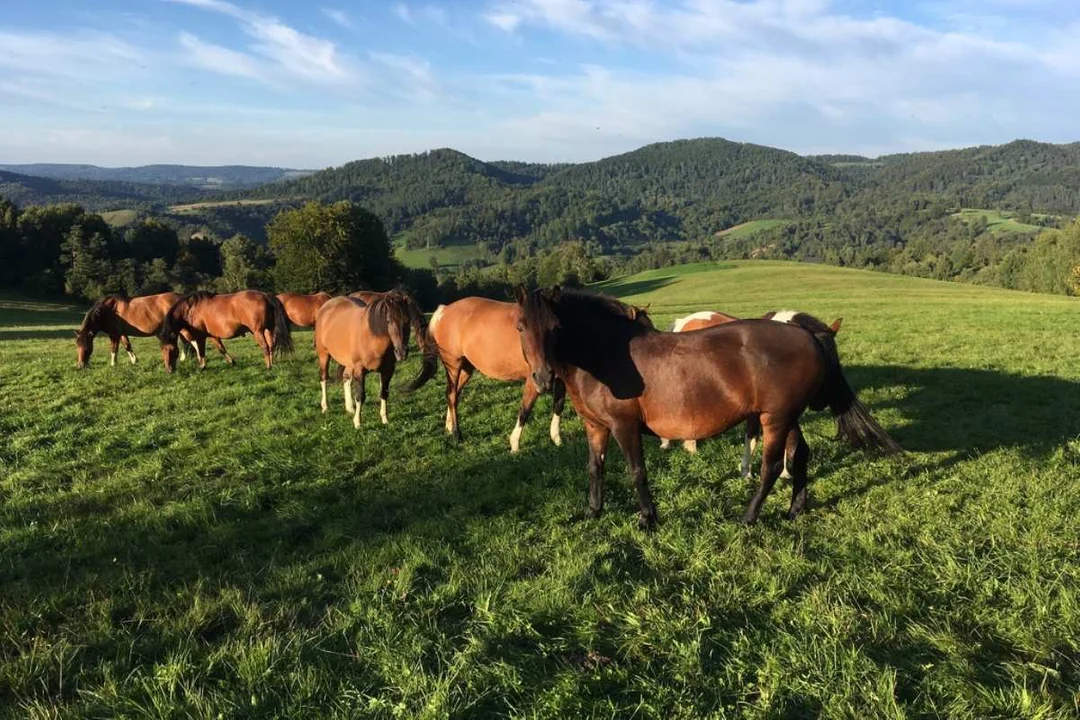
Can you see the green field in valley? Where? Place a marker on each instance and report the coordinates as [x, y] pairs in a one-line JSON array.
[[999, 222], [450, 256], [210, 545], [749, 228]]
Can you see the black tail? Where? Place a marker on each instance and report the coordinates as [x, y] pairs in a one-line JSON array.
[[282, 333], [428, 347], [854, 423]]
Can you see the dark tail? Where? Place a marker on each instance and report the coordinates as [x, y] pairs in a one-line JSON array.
[[854, 423], [428, 347], [282, 333], [170, 324]]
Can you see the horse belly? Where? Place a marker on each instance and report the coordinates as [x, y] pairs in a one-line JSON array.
[[692, 405]]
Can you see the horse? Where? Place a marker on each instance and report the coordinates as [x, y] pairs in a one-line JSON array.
[[625, 379], [210, 315], [121, 317], [480, 334], [368, 296], [711, 318], [301, 308], [373, 337]]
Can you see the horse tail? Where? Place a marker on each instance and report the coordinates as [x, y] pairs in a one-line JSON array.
[[170, 324], [428, 347], [854, 423], [282, 333]]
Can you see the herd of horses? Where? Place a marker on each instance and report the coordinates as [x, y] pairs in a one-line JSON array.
[[624, 377]]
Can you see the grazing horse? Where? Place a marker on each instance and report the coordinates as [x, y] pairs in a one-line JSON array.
[[625, 379], [480, 334], [373, 337], [301, 308], [711, 318], [122, 317], [209, 315]]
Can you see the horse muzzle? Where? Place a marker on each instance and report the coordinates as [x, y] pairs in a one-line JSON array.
[[544, 380]]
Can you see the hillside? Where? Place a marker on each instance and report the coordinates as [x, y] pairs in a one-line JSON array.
[[209, 544], [98, 195], [205, 177]]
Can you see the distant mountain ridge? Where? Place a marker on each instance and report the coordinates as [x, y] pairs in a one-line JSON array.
[[206, 177]]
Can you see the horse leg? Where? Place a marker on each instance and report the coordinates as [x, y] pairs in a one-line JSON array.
[[558, 397], [221, 348], [185, 336], [324, 375], [528, 399], [753, 428], [200, 351], [629, 438], [796, 461], [597, 437], [690, 446], [360, 395], [464, 374], [346, 384], [127, 346], [385, 373], [772, 461], [260, 340], [114, 343]]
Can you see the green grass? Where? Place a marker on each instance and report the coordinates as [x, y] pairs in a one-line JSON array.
[[120, 218], [450, 257], [210, 545], [749, 228], [999, 222]]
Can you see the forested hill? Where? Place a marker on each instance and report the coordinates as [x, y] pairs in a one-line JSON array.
[[94, 195], [216, 177]]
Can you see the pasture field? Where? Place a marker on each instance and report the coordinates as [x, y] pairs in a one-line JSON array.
[[999, 222], [749, 228], [210, 545], [195, 207], [120, 218], [450, 256]]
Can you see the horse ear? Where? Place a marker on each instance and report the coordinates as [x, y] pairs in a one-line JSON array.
[[646, 308], [835, 327], [520, 295]]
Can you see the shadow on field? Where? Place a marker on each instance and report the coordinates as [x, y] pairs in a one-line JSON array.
[[968, 412], [622, 289], [42, 334]]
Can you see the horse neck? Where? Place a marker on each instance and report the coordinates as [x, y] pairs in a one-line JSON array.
[[595, 346]]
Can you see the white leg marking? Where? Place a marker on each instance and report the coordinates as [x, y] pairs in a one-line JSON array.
[[382, 411], [112, 359], [356, 417], [785, 475], [348, 394], [449, 420], [183, 352], [690, 446], [323, 404], [556, 437], [515, 437], [132, 358], [665, 444]]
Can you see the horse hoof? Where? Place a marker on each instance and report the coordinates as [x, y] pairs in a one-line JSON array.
[[749, 519], [647, 522], [593, 513]]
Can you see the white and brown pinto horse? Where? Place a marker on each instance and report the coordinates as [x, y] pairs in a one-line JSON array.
[[121, 317], [711, 318], [476, 334], [625, 379], [370, 337]]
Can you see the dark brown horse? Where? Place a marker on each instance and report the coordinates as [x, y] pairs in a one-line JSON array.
[[625, 379], [207, 315], [122, 317], [365, 338], [480, 334], [711, 318], [301, 308]]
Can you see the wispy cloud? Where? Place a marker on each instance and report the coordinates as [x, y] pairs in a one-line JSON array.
[[303, 56], [339, 16], [222, 60], [419, 81]]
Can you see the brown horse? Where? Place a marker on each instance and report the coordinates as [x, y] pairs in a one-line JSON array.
[[301, 308], [373, 337], [480, 334], [711, 318], [209, 315], [368, 296], [624, 378], [121, 317]]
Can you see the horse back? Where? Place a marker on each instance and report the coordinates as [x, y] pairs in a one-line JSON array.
[[342, 331], [485, 333]]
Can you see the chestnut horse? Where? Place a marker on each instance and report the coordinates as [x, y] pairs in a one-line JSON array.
[[373, 337], [301, 308], [480, 334], [625, 379], [209, 315], [712, 318], [122, 317]]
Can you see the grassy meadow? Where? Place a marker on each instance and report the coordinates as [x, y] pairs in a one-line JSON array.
[[450, 256], [210, 545]]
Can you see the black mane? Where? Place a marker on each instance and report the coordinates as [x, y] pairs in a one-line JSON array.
[[391, 308], [93, 315]]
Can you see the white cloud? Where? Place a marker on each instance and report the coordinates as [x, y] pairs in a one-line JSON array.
[[222, 60], [303, 56], [403, 12], [339, 16], [411, 73], [505, 21]]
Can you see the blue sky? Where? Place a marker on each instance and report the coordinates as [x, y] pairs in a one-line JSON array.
[[269, 82]]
